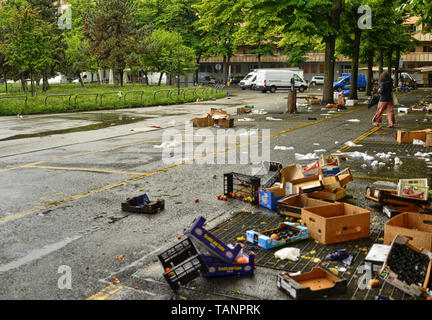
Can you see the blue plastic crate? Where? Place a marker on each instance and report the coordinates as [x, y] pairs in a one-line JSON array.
[[268, 199], [217, 267], [211, 242], [264, 240]]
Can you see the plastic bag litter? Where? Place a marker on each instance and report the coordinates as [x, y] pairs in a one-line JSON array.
[[283, 148], [272, 119], [320, 150], [353, 120], [261, 111], [342, 256], [246, 119], [309, 156], [357, 154], [292, 254], [397, 161], [168, 144], [352, 144], [418, 142]]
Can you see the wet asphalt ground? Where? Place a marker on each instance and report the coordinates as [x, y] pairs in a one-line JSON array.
[[63, 178]]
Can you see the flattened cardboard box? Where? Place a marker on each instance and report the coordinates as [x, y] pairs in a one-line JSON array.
[[335, 223], [416, 227], [334, 195], [391, 277]]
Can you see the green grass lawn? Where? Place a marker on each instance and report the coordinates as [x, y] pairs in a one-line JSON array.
[[72, 97]]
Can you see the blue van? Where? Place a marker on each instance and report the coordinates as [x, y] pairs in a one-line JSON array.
[[343, 83]]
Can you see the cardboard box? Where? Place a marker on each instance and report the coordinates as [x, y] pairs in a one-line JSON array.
[[201, 122], [217, 267], [327, 163], [264, 240], [315, 284], [428, 140], [225, 123], [416, 227], [390, 276], [241, 111], [305, 185], [268, 198], [417, 189], [210, 242], [292, 206], [335, 223], [290, 173], [376, 257], [333, 195], [407, 137]]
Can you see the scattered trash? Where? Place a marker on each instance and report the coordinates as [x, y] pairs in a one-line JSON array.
[[120, 257], [245, 119], [291, 254], [309, 156], [285, 233], [142, 204], [283, 148], [273, 119], [341, 255], [353, 120], [352, 144]]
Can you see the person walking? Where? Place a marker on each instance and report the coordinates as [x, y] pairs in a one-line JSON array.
[[385, 104]]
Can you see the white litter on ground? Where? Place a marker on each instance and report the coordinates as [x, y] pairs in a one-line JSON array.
[[352, 144], [168, 144], [357, 154], [320, 150], [353, 120], [272, 119], [292, 254], [246, 119], [309, 156], [418, 142], [283, 148], [259, 111]]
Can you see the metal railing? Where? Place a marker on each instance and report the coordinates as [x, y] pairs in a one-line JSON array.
[[86, 94], [137, 91], [119, 93], [15, 97], [159, 91], [58, 95]]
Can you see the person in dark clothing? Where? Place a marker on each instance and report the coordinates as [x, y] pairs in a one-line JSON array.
[[375, 96], [385, 104]]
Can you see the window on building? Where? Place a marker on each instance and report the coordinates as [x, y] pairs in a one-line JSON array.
[[427, 49], [238, 68], [210, 69], [321, 68], [306, 68]]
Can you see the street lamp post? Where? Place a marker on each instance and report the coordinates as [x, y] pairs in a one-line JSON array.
[[178, 59]]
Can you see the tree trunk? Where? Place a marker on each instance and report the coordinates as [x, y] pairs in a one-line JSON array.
[[224, 69], [398, 56], [80, 80], [98, 77], [259, 60], [370, 74], [24, 84], [330, 42], [381, 62], [197, 70], [121, 75], [32, 83], [115, 76], [292, 102], [390, 61], [355, 65], [45, 85], [160, 78], [146, 78], [329, 66]]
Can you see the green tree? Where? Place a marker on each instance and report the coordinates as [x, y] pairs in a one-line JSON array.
[[30, 43], [109, 26]]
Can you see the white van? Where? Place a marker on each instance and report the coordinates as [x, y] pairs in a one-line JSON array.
[[249, 81], [272, 80]]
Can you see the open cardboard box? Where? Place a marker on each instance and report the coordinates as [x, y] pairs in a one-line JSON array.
[[264, 239], [407, 137], [333, 195], [314, 284], [289, 173], [417, 189], [391, 277], [292, 206], [305, 185], [416, 227], [335, 223]]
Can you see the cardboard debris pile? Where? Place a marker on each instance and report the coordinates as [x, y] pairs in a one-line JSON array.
[[410, 195], [214, 117], [204, 254]]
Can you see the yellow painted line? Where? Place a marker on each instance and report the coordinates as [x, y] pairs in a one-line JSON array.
[[86, 169], [117, 184], [75, 197], [305, 125], [106, 292], [363, 136]]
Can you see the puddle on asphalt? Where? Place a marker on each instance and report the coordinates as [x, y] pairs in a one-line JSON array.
[[104, 120]]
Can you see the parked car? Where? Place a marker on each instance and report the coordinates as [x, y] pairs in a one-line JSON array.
[[317, 80], [343, 83], [272, 80], [206, 78]]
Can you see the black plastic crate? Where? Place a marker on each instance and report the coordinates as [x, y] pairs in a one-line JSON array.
[[177, 254], [142, 204], [182, 264], [241, 184], [275, 169]]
